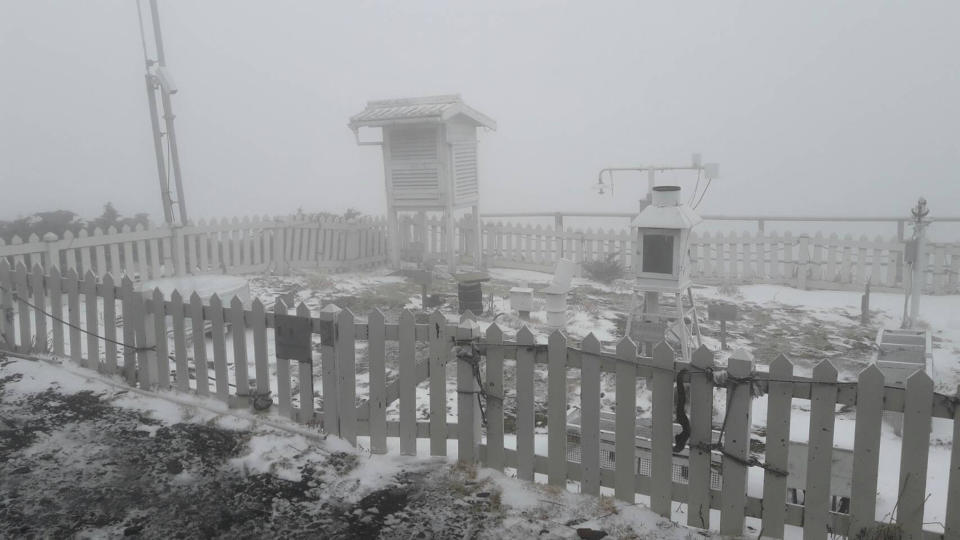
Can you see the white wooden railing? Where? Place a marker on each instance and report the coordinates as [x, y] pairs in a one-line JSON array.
[[152, 349], [219, 246], [817, 261]]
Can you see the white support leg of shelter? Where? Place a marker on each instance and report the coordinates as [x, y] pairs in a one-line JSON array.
[[477, 239]]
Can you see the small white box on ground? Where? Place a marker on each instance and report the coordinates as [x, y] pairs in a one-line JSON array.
[[557, 319], [521, 299]]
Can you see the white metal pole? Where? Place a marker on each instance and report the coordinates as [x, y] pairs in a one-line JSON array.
[[919, 267], [168, 116]]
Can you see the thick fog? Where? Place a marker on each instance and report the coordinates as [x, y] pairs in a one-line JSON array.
[[809, 108]]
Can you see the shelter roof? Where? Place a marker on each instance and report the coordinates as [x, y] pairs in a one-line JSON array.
[[421, 109]]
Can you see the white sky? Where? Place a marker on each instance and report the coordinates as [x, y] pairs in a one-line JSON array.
[[810, 108]]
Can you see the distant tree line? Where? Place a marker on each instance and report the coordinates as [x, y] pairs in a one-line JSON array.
[[61, 221]]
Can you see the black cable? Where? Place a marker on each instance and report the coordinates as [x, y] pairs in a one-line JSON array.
[[680, 439]]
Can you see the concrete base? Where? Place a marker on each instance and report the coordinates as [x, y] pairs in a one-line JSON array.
[[226, 287]]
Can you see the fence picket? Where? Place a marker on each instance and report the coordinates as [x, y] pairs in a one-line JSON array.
[[525, 410], [438, 384], [557, 408], [626, 417], [328, 359], [823, 399], [218, 336], [7, 330], [736, 443], [258, 326], [347, 376], [917, 407], [701, 438], [876, 258], [305, 377], [661, 464], [199, 347], [408, 384], [144, 339], [101, 255], [54, 289], [376, 347], [154, 259], [72, 286], [160, 338], [23, 295], [179, 342], [238, 334], [590, 416], [129, 322], [866, 449], [779, 411], [284, 406], [495, 453], [468, 402], [116, 267], [89, 290], [84, 254], [39, 318]]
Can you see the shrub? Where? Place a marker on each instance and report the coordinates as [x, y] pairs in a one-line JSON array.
[[606, 270]]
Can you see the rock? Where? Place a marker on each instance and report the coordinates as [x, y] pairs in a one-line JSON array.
[[483, 494], [590, 534], [174, 466], [133, 531]]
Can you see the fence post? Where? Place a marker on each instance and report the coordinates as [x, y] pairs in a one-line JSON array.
[[736, 443], [468, 404]]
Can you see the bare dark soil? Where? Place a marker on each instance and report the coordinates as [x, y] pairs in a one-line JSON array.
[[75, 466]]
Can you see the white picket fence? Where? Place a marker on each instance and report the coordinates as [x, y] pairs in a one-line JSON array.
[[818, 261], [219, 246], [151, 348]]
